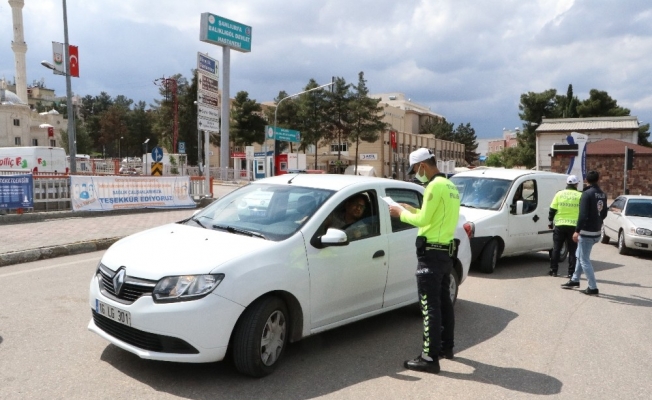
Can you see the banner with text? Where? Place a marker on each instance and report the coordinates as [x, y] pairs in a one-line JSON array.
[[16, 191], [97, 193]]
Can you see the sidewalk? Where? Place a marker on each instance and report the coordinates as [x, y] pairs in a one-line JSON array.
[[65, 233]]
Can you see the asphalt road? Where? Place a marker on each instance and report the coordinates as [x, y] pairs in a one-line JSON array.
[[518, 336]]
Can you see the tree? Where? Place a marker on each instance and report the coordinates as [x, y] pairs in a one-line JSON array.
[[139, 123], [365, 116], [534, 107], [495, 160], [440, 128], [113, 126], [311, 111], [247, 124], [600, 104], [339, 113], [643, 135], [465, 135]]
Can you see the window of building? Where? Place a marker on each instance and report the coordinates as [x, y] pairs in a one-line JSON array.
[[34, 142], [16, 122], [17, 141], [53, 143], [310, 149], [335, 147]]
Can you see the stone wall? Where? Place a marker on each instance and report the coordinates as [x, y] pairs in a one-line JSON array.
[[611, 169]]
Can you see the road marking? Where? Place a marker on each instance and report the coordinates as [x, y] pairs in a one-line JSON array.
[[50, 267]]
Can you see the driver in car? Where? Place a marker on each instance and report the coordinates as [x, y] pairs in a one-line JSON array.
[[350, 219]]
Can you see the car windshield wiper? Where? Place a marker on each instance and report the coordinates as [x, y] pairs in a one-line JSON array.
[[468, 205], [198, 223], [239, 231]]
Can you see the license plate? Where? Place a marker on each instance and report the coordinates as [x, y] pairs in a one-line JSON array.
[[114, 313]]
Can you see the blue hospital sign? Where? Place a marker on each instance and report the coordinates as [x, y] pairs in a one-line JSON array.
[[224, 32]]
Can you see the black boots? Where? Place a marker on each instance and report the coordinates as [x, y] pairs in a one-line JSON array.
[[420, 364]]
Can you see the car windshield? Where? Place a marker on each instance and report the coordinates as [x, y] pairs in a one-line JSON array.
[[273, 212], [479, 192], [639, 208]]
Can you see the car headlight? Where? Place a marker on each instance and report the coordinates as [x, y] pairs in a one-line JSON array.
[[185, 287], [643, 231]]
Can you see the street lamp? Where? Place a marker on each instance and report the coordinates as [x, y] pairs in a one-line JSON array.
[[72, 145], [146, 150], [287, 97], [119, 143]]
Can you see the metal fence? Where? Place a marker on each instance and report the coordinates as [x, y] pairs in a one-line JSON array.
[[52, 191]]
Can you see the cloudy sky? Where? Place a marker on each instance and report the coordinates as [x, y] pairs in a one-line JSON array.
[[468, 60]]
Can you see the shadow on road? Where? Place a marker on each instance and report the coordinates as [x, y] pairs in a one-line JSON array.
[[532, 265], [333, 360], [638, 301], [516, 379]]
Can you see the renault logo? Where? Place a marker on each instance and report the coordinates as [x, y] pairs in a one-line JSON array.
[[119, 280]]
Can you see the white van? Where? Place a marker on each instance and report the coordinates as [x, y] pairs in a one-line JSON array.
[[33, 159], [507, 212]]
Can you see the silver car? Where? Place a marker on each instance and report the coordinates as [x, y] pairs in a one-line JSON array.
[[629, 220]]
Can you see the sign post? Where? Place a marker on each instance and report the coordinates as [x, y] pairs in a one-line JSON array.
[[230, 35], [208, 113]]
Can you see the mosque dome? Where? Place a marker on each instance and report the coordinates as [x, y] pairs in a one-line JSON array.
[[9, 97]]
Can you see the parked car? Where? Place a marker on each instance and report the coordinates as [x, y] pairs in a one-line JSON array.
[[629, 220], [259, 268], [507, 212]]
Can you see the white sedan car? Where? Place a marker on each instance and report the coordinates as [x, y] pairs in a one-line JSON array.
[[629, 219], [260, 268]]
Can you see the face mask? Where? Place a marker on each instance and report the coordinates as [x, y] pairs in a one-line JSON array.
[[422, 178]]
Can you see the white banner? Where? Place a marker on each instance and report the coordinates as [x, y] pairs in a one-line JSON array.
[[101, 193], [57, 57]]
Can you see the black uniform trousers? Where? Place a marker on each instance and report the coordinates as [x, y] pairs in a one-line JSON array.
[[433, 283], [560, 235]]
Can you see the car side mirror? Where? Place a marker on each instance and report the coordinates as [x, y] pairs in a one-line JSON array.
[[332, 237], [517, 209]]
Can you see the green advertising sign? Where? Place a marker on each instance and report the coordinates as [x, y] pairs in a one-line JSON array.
[[282, 134], [224, 32]]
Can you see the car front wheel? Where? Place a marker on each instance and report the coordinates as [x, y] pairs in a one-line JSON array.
[[622, 247], [260, 337]]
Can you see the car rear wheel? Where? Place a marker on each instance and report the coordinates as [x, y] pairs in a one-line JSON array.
[[260, 337], [622, 247], [489, 257], [454, 285], [604, 238]]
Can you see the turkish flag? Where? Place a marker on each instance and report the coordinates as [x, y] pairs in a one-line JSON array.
[[74, 61], [50, 132], [392, 135]]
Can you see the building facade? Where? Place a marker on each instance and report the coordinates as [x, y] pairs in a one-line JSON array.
[[552, 131]]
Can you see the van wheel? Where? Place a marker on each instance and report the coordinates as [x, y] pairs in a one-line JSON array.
[[260, 337], [622, 247], [604, 238], [564, 252], [489, 257]]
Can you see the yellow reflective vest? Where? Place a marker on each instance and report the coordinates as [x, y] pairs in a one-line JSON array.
[[567, 204]]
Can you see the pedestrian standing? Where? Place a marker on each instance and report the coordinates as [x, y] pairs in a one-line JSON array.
[[564, 210], [437, 221], [593, 210]]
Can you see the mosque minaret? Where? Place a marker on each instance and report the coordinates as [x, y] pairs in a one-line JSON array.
[[19, 47]]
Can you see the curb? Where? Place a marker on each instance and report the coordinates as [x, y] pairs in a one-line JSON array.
[[44, 253], [9, 219]]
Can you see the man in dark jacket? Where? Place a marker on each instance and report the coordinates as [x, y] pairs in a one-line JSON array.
[[593, 209]]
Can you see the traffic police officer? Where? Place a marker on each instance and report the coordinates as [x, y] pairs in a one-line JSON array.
[[437, 221], [564, 210]]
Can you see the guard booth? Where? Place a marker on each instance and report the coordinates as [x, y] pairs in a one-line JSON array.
[[290, 161], [263, 164]]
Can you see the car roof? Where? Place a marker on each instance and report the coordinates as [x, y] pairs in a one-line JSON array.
[[328, 181], [635, 196], [504, 173]]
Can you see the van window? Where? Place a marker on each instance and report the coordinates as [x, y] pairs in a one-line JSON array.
[[527, 191]]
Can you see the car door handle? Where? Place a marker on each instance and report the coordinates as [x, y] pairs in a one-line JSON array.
[[379, 253]]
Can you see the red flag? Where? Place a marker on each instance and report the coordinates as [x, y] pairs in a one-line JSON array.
[[393, 139], [50, 132], [74, 61]]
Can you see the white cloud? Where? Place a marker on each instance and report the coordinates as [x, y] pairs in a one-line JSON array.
[[468, 60]]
